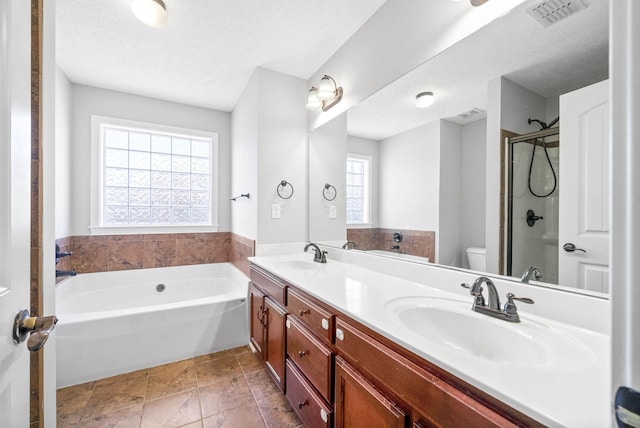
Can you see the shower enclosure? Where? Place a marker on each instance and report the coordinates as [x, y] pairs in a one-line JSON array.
[[532, 199]]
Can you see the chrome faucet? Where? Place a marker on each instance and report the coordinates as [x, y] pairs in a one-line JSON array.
[[531, 271], [349, 244], [508, 313], [320, 256]]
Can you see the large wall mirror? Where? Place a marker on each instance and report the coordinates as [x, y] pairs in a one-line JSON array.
[[413, 182]]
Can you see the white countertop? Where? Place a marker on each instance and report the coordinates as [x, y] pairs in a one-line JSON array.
[[569, 390]]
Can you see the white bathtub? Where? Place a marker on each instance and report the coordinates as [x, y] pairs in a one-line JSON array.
[[116, 322]]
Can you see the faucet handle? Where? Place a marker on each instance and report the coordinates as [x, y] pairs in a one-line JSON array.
[[474, 290], [323, 257], [510, 307]]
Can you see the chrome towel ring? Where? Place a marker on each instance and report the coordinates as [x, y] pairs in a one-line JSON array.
[[284, 189]]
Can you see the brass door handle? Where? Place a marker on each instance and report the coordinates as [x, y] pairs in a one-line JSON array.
[[37, 329]]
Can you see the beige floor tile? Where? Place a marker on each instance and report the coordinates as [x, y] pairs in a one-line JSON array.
[[246, 415], [261, 384], [171, 379], [217, 370], [173, 411], [116, 393], [71, 401], [215, 356], [277, 413], [197, 424], [250, 361], [224, 395], [126, 418]]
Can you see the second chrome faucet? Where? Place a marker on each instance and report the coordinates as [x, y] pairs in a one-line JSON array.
[[320, 256], [492, 306]]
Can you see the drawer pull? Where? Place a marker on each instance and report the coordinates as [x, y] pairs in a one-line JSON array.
[[301, 404], [339, 334], [324, 416], [325, 323], [302, 312], [301, 354]]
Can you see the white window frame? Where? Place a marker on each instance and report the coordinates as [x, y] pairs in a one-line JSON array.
[[368, 199], [97, 171]]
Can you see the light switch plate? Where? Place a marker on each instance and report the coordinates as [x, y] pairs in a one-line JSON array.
[[275, 211], [332, 211]]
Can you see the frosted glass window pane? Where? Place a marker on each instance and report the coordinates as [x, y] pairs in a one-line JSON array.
[[161, 197], [116, 215], [139, 196], [355, 166], [200, 148], [161, 215], [355, 179], [161, 180], [116, 138], [139, 215], [200, 165], [116, 195], [139, 178], [181, 216], [139, 141], [355, 192], [180, 163], [180, 146], [160, 144], [199, 199], [199, 182], [116, 158], [160, 162], [181, 180], [180, 198], [139, 160], [199, 216], [116, 177]]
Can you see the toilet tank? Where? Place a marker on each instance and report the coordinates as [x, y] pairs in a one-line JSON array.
[[477, 258]]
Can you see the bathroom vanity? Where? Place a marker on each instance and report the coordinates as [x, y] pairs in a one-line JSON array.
[[330, 337]]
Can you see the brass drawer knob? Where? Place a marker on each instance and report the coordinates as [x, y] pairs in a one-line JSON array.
[[301, 404], [301, 354], [302, 312]]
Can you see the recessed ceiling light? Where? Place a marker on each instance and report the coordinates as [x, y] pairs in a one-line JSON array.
[[151, 12], [424, 99]]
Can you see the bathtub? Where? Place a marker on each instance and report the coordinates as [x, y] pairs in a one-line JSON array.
[[116, 322]]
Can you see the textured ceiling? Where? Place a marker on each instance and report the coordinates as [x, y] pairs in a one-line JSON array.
[[209, 48], [549, 61]]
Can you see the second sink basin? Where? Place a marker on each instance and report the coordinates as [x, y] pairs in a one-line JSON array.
[[452, 323]]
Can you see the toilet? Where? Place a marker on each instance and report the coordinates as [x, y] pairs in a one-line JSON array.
[[477, 258]]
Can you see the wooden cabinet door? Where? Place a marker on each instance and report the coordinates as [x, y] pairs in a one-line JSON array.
[[275, 346], [359, 405], [257, 317]]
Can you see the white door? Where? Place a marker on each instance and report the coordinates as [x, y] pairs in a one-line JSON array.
[[15, 145], [584, 191]]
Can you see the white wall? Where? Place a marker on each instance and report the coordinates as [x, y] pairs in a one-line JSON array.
[[473, 171], [282, 155], [449, 234], [244, 162], [87, 101], [410, 174], [327, 164], [371, 148], [62, 155]]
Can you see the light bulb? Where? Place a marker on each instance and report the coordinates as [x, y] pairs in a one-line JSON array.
[[327, 89], [424, 99], [313, 102], [151, 12]]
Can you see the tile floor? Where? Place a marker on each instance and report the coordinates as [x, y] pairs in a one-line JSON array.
[[227, 389]]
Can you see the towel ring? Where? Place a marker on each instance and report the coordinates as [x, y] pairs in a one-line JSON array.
[[284, 189], [329, 192]]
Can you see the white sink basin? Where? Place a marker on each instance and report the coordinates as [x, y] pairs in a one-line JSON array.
[[297, 265], [453, 325]]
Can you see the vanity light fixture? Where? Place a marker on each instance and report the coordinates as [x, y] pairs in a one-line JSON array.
[[325, 96], [424, 99], [150, 12]]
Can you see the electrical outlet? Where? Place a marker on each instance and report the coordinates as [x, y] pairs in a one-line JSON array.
[[332, 211], [275, 211]]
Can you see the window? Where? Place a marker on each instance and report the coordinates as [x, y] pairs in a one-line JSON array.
[[358, 189], [153, 176]]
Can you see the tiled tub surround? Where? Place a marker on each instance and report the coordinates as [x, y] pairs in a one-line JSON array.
[[561, 391], [415, 242], [228, 389], [123, 252], [116, 322]]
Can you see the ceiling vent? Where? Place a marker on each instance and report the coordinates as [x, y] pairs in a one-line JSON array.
[[471, 112], [553, 11]]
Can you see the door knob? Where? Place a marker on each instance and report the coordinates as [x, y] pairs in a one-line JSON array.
[[570, 248], [36, 328]]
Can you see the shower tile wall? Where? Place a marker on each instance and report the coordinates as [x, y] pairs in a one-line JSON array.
[[415, 242], [123, 252]]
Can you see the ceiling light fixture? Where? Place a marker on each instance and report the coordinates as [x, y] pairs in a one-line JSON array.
[[151, 12], [477, 2], [325, 96], [424, 99]]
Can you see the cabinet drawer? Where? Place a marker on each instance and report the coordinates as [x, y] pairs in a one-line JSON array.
[[311, 356], [270, 284], [441, 403], [309, 406], [318, 320]]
